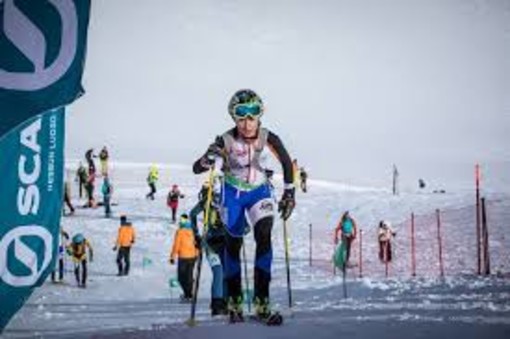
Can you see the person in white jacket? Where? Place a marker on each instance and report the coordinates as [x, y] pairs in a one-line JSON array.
[[385, 234]]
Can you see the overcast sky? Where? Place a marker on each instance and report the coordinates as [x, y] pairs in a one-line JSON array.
[[351, 87]]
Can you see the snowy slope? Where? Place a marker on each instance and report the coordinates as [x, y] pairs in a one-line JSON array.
[[143, 302]]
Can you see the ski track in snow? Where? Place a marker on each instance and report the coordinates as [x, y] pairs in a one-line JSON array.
[[143, 304]]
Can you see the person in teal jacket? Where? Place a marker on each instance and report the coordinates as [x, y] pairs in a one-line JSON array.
[[347, 229]]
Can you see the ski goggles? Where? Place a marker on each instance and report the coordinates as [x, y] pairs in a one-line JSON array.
[[244, 111]]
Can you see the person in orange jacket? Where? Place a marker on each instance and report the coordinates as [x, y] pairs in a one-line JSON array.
[[185, 250], [125, 239]]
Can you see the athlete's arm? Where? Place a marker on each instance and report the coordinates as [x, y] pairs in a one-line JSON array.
[[203, 164], [276, 145]]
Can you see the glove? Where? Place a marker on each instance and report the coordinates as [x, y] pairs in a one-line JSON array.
[[172, 261], [213, 152], [287, 203], [114, 248]]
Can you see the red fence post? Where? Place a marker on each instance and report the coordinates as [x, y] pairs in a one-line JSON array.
[[439, 241], [413, 249]]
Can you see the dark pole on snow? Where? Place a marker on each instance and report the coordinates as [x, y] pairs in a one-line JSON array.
[[485, 235], [439, 241], [478, 232]]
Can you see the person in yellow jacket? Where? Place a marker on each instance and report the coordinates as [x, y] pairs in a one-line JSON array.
[[78, 251], [185, 250], [125, 239], [152, 179]]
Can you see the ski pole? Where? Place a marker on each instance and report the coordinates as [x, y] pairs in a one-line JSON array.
[[485, 236], [246, 281], [344, 266], [191, 321], [287, 263]]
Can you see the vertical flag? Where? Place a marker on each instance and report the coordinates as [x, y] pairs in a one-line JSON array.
[[42, 57], [31, 163]]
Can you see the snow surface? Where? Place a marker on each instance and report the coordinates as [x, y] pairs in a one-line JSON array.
[[397, 305]]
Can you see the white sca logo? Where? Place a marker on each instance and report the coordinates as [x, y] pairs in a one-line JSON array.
[[30, 41], [25, 255]]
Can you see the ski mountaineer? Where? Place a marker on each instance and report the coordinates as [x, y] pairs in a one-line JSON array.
[[67, 197], [304, 177], [247, 196], [78, 251], [152, 178], [348, 229], [82, 178], [172, 200], [107, 190], [103, 160], [385, 234], [214, 246], [89, 155]]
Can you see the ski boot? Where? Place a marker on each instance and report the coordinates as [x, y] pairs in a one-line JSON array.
[[264, 315], [235, 310], [183, 299], [218, 307]]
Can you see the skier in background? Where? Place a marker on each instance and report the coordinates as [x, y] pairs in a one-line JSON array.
[[385, 234], [103, 160], [107, 190], [82, 178], [90, 186], [347, 229], [152, 179], [172, 201], [78, 251], [304, 177], [67, 197]]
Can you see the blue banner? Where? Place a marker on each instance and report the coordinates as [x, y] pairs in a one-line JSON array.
[[42, 56], [31, 163]]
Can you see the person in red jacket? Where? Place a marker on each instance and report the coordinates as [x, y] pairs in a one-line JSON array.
[[172, 200]]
